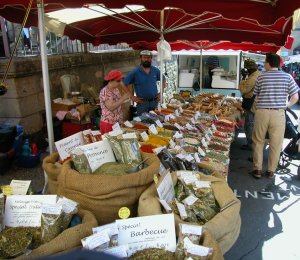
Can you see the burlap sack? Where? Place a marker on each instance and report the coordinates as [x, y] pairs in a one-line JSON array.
[[225, 226], [52, 172], [105, 195], [68, 239]]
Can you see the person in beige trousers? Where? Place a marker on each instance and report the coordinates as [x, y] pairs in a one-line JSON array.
[[272, 89]]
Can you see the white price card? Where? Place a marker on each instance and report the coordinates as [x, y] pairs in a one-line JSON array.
[[177, 135], [196, 156], [213, 127], [165, 205], [189, 158], [172, 144], [190, 200], [128, 124], [158, 123], [202, 153], [167, 118], [116, 126], [20, 187], [145, 136], [180, 156], [193, 121], [153, 129], [180, 109], [129, 136], [177, 112], [137, 119], [117, 251], [204, 142], [165, 189], [181, 209], [191, 229], [172, 116], [202, 184], [163, 105], [179, 127], [152, 112], [177, 147], [209, 131], [115, 132], [189, 127], [207, 137]]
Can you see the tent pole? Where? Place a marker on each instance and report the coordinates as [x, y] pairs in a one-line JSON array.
[[45, 73], [201, 66], [161, 59]]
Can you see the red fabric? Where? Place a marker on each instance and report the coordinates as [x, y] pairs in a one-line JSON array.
[[114, 75], [105, 127], [265, 13]]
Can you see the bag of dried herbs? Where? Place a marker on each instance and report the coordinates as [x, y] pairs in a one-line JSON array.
[[113, 169], [51, 222], [152, 253], [80, 161], [196, 252], [192, 232], [205, 193], [69, 209], [15, 241], [98, 241]]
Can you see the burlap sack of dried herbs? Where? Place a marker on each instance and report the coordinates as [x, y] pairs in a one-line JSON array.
[[225, 226], [52, 172], [104, 195], [68, 239]]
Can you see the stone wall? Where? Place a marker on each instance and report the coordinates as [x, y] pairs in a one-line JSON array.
[[24, 101]]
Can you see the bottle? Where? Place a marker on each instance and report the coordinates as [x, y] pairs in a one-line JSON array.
[[34, 149], [26, 150]]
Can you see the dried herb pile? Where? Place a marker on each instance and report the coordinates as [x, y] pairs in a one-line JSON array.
[[153, 254]]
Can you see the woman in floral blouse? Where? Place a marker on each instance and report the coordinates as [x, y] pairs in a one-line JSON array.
[[111, 101]]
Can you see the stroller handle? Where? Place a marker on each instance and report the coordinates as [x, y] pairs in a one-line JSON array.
[[292, 113]]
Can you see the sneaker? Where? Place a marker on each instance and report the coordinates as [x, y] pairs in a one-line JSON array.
[[246, 147], [256, 174], [269, 174]]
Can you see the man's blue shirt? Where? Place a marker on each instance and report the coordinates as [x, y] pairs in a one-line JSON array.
[[144, 84]]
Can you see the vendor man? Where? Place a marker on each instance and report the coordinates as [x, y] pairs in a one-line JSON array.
[[144, 78]]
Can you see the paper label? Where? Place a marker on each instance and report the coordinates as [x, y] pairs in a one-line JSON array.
[[172, 116], [213, 127], [189, 127], [137, 119], [116, 132], [20, 187], [202, 184], [177, 112], [204, 142], [153, 129], [207, 137], [145, 136], [152, 112], [165, 205], [189, 179], [158, 123], [128, 124], [191, 229], [111, 229], [193, 121], [190, 200], [116, 126], [202, 153], [67, 204], [177, 148], [197, 250], [51, 209], [146, 232], [172, 144], [165, 189], [26, 210], [117, 251], [162, 169], [180, 156], [129, 136], [180, 109], [164, 106], [158, 149], [209, 131], [95, 240], [177, 135], [196, 156], [167, 118], [67, 145], [189, 158], [184, 173], [181, 209], [179, 127], [98, 153]]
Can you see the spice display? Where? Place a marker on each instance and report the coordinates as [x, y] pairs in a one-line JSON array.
[[69, 209], [170, 127], [153, 254], [190, 149], [51, 222], [218, 156], [96, 136], [219, 147], [147, 148], [113, 169], [15, 242], [87, 136], [139, 126], [158, 141]]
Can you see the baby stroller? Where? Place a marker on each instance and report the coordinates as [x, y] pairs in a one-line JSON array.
[[290, 152]]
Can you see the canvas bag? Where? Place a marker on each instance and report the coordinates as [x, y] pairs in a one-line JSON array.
[[105, 195], [52, 172], [225, 226]]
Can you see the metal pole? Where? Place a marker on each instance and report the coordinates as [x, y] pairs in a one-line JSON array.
[[161, 59], [45, 72], [201, 66]]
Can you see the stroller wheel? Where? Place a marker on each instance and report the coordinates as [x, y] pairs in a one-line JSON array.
[[284, 162]]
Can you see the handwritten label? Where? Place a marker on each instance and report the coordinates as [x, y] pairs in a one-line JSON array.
[[196, 156], [153, 129], [207, 137], [145, 232], [20, 187], [172, 144], [116, 126], [158, 123], [180, 109], [129, 136], [189, 158], [165, 205], [202, 184], [165, 189], [202, 153], [191, 229], [167, 118], [67, 145], [163, 105], [204, 142], [177, 135], [181, 209], [190, 200], [137, 119], [213, 127], [116, 132], [179, 127], [128, 124], [96, 240], [177, 112], [26, 210], [144, 136], [172, 116]]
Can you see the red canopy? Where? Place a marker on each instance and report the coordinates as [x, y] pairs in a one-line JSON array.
[[178, 25], [263, 11], [207, 45]]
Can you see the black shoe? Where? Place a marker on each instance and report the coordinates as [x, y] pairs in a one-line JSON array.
[[250, 159], [246, 147]]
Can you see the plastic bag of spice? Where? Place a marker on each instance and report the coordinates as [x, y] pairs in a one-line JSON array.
[[69, 209], [115, 143], [80, 161], [192, 232], [51, 222], [131, 151], [196, 252]]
